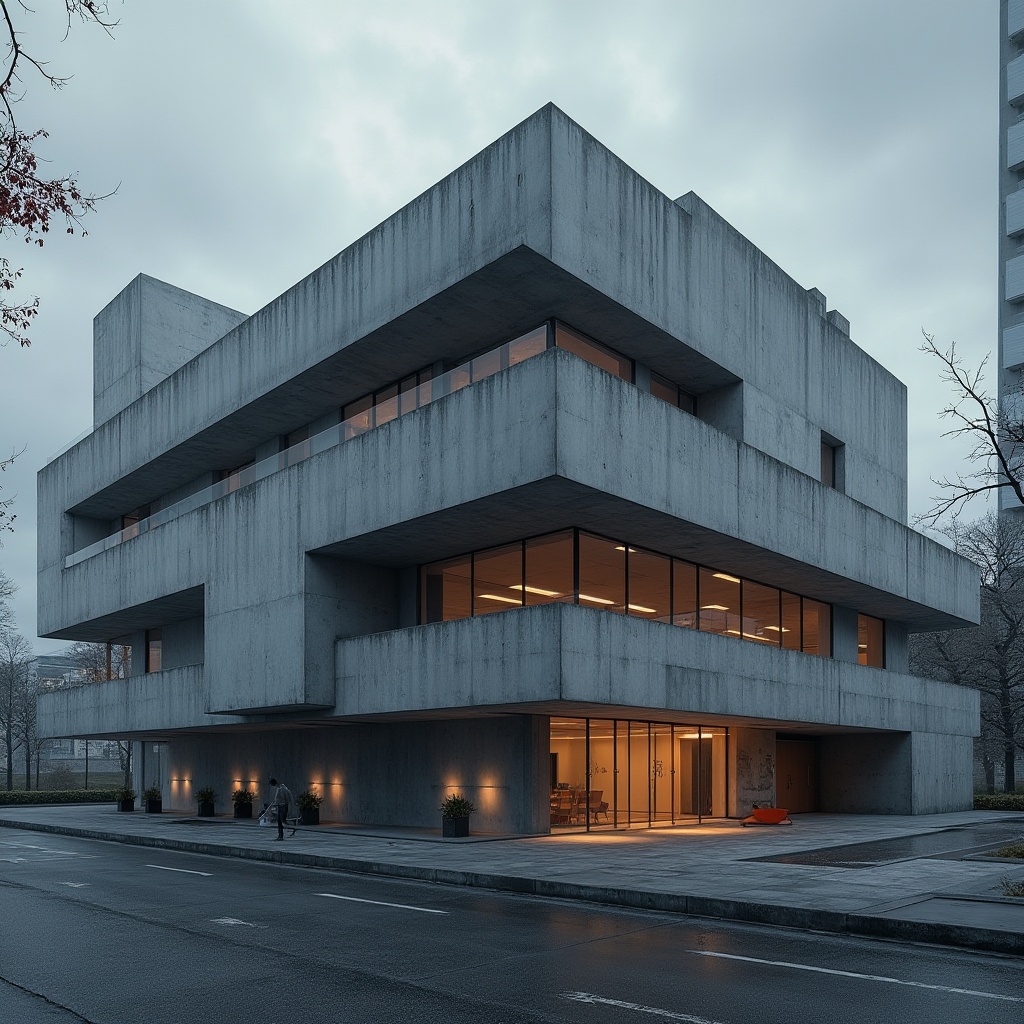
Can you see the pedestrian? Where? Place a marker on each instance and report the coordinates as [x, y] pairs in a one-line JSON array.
[[283, 801]]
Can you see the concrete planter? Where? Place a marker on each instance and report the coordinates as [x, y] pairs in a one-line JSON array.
[[126, 805], [206, 809], [455, 828], [154, 806], [309, 816], [243, 810]]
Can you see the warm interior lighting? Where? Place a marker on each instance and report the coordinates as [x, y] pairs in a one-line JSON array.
[[641, 608], [695, 736], [725, 576], [620, 547], [496, 597], [862, 647], [777, 630], [595, 600], [714, 608], [536, 590]]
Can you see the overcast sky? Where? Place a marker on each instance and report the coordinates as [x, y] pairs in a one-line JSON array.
[[854, 141]]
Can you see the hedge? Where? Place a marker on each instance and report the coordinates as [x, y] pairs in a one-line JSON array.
[[999, 801], [58, 796]]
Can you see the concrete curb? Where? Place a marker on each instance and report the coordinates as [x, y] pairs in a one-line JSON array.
[[938, 933]]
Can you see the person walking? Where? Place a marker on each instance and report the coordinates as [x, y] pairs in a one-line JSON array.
[[282, 801]]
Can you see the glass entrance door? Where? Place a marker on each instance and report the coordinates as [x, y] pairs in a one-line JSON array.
[[620, 773]]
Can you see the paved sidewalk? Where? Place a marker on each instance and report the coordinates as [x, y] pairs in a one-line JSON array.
[[922, 878]]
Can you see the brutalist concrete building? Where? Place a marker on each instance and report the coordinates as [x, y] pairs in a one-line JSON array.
[[550, 491]]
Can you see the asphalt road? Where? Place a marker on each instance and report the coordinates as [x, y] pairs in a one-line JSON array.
[[104, 933]]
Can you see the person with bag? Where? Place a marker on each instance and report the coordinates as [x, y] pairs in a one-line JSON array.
[[283, 802]]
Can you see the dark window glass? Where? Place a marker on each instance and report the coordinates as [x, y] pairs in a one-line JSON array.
[[593, 352], [549, 569], [719, 602], [498, 579], [486, 365], [828, 464], [407, 395], [459, 378], [154, 650], [761, 613], [357, 416], [686, 402], [817, 623], [870, 641], [385, 405], [527, 346], [684, 594], [791, 620], [445, 590], [602, 574], [663, 388], [649, 585]]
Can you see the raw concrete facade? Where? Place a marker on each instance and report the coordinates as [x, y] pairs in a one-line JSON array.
[[221, 501]]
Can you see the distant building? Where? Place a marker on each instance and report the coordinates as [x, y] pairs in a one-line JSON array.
[[550, 491]]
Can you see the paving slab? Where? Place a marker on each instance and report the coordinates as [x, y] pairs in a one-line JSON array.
[[712, 870]]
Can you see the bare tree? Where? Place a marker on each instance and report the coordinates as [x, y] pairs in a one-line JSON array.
[[101, 662], [15, 657], [988, 657], [30, 200], [996, 435]]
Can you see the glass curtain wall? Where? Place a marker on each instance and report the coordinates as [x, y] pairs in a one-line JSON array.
[[620, 774], [578, 567]]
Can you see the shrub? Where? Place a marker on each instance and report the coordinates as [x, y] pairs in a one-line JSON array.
[[308, 800], [60, 777], [153, 793], [999, 801], [58, 796], [125, 793], [1011, 888], [242, 796], [1013, 850], [206, 795], [456, 806]]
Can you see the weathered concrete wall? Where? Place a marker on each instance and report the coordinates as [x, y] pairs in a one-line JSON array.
[[569, 653], [870, 774], [387, 774], [146, 333], [751, 771]]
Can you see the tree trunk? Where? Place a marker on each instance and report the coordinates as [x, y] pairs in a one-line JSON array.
[[28, 767], [9, 740], [990, 773], [1009, 767]]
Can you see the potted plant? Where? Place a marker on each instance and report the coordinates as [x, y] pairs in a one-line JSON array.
[[309, 807], [455, 812], [154, 800], [206, 797], [242, 799], [126, 799]]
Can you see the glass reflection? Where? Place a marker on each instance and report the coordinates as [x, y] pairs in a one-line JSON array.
[[761, 613], [602, 573], [549, 568], [650, 585], [719, 602], [498, 579]]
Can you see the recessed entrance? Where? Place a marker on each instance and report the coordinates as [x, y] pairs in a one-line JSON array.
[[618, 773]]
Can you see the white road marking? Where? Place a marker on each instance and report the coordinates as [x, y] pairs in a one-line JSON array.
[[183, 871], [864, 977], [378, 903], [76, 885], [589, 997], [231, 920]]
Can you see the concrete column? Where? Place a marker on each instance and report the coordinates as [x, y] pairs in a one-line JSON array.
[[751, 770]]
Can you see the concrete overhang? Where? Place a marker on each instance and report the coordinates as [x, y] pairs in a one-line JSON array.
[[562, 656]]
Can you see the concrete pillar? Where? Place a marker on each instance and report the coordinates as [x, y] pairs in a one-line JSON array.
[[751, 770]]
